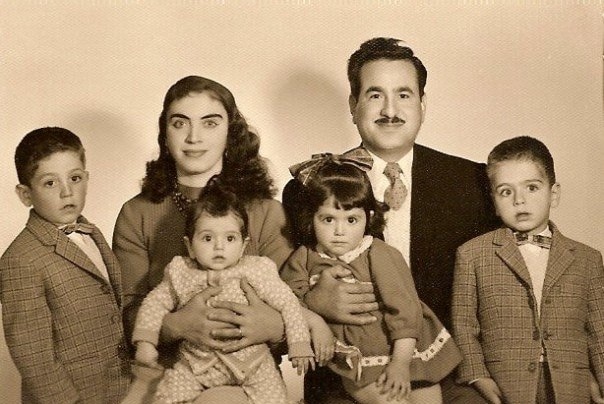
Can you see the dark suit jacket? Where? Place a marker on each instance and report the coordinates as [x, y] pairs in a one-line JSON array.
[[500, 331], [62, 319], [450, 204]]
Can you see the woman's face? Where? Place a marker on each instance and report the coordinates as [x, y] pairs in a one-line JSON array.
[[196, 134]]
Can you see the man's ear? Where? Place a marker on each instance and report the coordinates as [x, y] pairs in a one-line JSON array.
[[189, 247], [352, 104], [556, 193], [24, 194]]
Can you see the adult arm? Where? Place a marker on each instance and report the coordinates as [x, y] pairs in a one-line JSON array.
[[28, 331], [341, 302]]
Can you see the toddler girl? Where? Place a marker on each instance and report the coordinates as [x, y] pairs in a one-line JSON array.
[[338, 222]]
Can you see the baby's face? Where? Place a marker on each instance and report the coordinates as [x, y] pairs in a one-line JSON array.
[[338, 231], [58, 188], [523, 195], [217, 243]]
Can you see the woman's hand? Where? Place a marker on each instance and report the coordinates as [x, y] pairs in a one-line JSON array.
[[251, 324], [341, 302], [196, 322]]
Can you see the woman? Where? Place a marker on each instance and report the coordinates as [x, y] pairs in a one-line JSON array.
[[201, 133]]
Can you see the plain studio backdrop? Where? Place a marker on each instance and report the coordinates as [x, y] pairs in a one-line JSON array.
[[496, 69]]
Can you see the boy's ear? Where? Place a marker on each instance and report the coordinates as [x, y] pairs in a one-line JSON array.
[[555, 196], [189, 247], [24, 194]]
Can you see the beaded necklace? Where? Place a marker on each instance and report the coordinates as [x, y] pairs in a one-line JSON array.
[[182, 202]]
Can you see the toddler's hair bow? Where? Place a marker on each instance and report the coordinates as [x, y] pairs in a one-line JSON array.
[[358, 157]]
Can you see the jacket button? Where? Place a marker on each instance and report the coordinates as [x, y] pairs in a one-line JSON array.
[[536, 335], [532, 366]]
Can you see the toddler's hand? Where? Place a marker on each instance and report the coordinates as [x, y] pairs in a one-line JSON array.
[[323, 342], [489, 389], [395, 380], [146, 354], [303, 364]]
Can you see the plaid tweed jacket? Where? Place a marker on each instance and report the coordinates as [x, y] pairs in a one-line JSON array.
[[62, 319], [498, 328]]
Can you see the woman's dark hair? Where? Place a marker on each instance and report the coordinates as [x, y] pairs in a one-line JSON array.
[[243, 169], [217, 200], [350, 187]]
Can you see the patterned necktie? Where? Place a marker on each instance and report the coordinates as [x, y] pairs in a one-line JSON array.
[[395, 194], [538, 240], [84, 228]]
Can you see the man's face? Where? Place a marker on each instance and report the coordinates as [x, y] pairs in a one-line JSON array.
[[389, 110]]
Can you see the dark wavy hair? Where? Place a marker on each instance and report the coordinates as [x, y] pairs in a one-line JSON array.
[[522, 148], [243, 168], [41, 143], [382, 48], [217, 200], [350, 188]]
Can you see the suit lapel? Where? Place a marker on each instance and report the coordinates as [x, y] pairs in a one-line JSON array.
[[48, 234], [509, 253], [110, 262], [560, 258]]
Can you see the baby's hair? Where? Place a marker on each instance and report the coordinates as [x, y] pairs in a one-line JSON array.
[[522, 148], [350, 187], [216, 200], [41, 143]]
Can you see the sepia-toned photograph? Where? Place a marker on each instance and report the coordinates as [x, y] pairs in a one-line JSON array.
[[298, 201]]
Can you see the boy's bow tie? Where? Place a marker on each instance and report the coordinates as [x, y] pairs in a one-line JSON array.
[[84, 228], [537, 239]]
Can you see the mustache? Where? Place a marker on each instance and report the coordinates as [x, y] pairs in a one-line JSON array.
[[394, 119]]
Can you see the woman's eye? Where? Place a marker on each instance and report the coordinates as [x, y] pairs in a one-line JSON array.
[[207, 239], [352, 220], [231, 239], [178, 124], [50, 183], [328, 219], [210, 124], [533, 187], [505, 192]]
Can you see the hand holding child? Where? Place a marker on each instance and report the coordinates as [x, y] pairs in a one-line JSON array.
[[303, 364], [342, 302], [489, 390]]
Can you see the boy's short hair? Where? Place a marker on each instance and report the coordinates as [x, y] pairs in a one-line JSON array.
[[522, 148], [41, 143], [216, 200]]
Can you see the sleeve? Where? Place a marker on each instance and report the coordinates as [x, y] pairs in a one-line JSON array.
[[270, 288], [295, 274], [28, 331], [466, 327], [270, 236], [159, 302], [595, 319], [131, 251], [396, 291]]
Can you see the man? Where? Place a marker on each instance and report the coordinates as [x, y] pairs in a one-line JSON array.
[[440, 201]]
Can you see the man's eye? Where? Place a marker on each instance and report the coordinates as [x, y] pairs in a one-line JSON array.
[[533, 187], [76, 178]]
